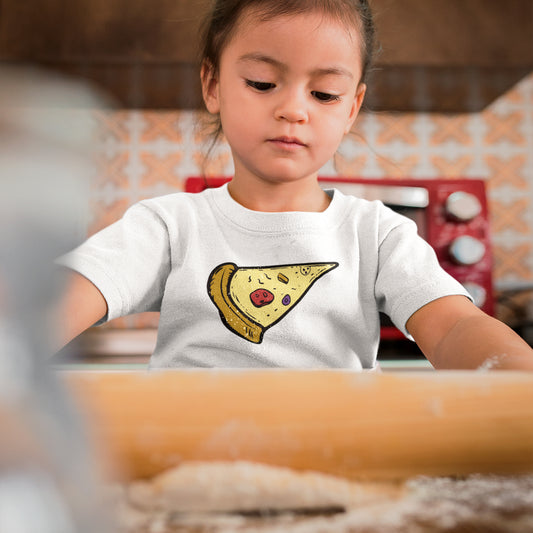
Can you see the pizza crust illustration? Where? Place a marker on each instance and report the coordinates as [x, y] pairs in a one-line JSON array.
[[252, 299]]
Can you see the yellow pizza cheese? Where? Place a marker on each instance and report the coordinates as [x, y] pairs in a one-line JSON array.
[[252, 299]]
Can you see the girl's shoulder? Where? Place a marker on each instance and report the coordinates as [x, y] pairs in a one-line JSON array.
[[368, 210], [175, 203]]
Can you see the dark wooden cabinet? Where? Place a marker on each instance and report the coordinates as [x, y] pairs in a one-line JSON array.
[[436, 55], [450, 55], [100, 31], [142, 52]]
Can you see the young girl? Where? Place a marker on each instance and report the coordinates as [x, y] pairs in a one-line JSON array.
[[270, 270]]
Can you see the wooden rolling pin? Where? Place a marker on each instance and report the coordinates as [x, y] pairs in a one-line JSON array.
[[356, 425]]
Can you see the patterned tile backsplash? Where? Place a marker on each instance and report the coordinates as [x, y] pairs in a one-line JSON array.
[[149, 153]]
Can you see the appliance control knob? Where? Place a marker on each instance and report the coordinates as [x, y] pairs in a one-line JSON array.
[[467, 250], [462, 206], [478, 293]]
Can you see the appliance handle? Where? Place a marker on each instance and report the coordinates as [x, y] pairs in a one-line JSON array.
[[388, 194]]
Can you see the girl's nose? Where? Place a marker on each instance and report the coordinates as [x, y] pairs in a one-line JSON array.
[[292, 108]]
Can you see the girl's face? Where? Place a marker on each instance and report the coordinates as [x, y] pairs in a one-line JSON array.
[[287, 91]]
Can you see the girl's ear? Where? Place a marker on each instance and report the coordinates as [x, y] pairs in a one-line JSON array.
[[356, 106], [209, 87]]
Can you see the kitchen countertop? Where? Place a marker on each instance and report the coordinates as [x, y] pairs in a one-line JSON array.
[[479, 504], [407, 365], [118, 349]]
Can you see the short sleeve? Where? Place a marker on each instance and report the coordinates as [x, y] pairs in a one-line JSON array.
[[409, 275], [128, 261]]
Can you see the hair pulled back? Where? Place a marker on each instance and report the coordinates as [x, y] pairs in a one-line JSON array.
[[225, 14]]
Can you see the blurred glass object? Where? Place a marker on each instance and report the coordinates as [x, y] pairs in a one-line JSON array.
[[48, 480]]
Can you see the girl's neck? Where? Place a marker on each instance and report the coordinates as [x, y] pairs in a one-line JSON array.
[[279, 197]]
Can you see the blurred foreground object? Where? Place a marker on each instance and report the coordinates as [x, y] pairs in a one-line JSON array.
[[356, 425], [47, 471]]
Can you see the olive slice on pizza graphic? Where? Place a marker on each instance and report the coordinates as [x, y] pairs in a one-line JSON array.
[[252, 299]]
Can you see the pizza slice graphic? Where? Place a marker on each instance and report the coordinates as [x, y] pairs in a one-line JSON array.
[[252, 299]]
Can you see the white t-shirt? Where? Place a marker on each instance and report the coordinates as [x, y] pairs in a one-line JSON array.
[[161, 255]]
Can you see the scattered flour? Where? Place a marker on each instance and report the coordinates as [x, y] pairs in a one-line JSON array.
[[491, 362], [484, 503]]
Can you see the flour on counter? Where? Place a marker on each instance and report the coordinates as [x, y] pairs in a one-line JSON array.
[[231, 497]]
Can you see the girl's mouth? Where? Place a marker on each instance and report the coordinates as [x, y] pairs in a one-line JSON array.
[[287, 143]]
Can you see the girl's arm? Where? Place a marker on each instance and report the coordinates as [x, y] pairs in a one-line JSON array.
[[81, 306], [454, 334]]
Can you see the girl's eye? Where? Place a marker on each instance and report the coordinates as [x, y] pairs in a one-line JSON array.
[[260, 85], [325, 97]]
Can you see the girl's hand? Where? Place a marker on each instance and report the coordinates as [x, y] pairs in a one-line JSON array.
[[454, 334]]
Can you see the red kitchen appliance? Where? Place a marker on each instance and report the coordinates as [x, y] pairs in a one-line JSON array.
[[451, 214]]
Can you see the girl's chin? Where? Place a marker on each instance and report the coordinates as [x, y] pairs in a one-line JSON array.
[[287, 180], [284, 175]]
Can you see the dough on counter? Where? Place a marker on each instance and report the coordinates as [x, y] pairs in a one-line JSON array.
[[246, 486], [202, 498]]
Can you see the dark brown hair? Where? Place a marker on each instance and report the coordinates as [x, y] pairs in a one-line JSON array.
[[225, 15]]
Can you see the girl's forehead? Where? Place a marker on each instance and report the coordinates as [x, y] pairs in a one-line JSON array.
[[309, 41], [252, 17]]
